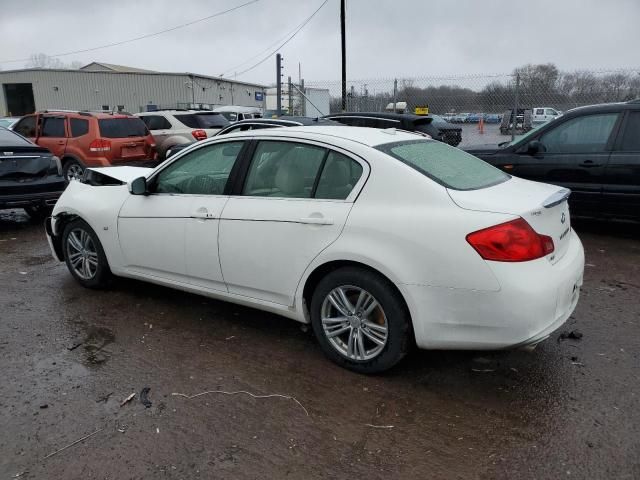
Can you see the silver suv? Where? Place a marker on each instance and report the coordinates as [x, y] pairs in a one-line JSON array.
[[176, 127]]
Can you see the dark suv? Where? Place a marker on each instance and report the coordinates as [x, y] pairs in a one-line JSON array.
[[433, 125], [30, 176], [594, 151]]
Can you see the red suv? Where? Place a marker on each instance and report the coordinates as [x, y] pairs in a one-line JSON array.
[[90, 139]]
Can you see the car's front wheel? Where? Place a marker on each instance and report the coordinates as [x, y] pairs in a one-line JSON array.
[[360, 320], [84, 255]]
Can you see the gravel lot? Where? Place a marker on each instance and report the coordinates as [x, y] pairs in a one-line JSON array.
[[70, 356]]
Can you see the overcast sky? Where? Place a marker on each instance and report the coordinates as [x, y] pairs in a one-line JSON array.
[[385, 38]]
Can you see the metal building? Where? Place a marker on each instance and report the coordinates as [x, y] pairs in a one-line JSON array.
[[101, 86]]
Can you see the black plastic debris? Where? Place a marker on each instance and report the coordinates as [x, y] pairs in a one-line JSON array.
[[144, 399], [573, 335]]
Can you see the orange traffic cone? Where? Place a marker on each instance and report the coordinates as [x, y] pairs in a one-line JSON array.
[[481, 125]]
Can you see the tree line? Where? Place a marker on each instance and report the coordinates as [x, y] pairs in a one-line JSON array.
[[540, 85]]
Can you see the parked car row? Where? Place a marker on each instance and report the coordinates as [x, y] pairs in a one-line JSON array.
[[473, 117], [83, 139]]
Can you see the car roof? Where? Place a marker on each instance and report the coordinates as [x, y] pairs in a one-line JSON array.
[[363, 135], [85, 113], [604, 107], [390, 115], [288, 121], [237, 108], [178, 112]]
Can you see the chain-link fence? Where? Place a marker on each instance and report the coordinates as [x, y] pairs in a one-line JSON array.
[[482, 105]]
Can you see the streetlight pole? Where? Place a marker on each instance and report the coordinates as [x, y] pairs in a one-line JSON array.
[[344, 55]]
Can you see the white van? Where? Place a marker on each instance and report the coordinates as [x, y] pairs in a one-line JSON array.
[[236, 113], [544, 114]]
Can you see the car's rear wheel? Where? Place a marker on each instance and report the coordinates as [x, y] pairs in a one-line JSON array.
[[72, 170], [84, 255], [360, 320]]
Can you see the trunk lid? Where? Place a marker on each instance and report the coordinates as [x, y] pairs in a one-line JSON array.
[[543, 206], [24, 166]]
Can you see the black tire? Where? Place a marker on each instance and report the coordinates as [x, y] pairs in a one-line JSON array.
[[72, 169], [101, 275], [38, 212], [398, 322]]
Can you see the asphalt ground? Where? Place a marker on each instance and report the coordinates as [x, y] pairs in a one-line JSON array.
[[69, 357]]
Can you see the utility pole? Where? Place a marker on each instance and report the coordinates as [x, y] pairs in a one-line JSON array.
[[515, 108], [193, 89], [290, 93], [395, 94], [344, 55], [278, 84]]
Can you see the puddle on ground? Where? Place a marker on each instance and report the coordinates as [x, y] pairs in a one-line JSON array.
[[94, 345]]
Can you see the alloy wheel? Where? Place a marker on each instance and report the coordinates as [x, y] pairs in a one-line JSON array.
[[82, 253], [354, 323], [75, 172]]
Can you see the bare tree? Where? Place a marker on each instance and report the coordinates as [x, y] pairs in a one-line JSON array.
[[42, 60]]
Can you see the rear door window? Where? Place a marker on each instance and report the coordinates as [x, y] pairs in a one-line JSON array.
[[156, 122], [79, 127], [284, 169], [339, 175], [53, 127], [446, 165], [631, 135], [122, 127], [27, 126]]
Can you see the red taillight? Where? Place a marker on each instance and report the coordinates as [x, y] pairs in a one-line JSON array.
[[513, 241], [199, 134], [100, 145]]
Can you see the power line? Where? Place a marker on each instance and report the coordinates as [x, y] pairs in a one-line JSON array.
[[302, 25], [271, 45], [171, 29]]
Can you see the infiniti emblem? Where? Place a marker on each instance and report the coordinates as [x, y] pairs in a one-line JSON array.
[[563, 218]]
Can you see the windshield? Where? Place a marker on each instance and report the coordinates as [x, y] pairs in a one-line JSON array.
[[448, 166]]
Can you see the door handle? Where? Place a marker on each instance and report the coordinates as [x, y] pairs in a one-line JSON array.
[[61, 142], [589, 163], [203, 214], [317, 220]]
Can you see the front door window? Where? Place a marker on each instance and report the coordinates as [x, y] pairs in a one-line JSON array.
[[588, 134]]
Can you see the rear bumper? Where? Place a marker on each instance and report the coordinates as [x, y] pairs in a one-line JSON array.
[[535, 299], [47, 199]]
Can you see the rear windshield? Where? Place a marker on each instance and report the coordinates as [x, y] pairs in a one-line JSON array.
[[449, 166], [122, 127], [10, 139], [203, 120]]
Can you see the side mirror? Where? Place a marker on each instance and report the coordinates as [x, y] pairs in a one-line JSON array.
[[138, 186], [534, 147]]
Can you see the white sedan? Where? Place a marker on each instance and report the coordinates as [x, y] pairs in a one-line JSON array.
[[381, 239]]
